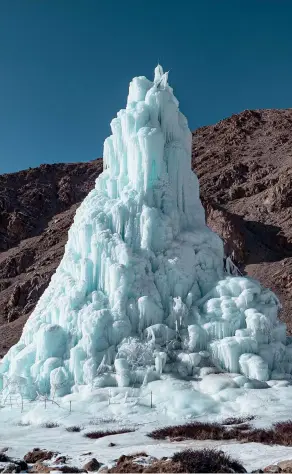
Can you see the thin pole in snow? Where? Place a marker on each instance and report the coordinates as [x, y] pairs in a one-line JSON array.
[[151, 399], [45, 403], [10, 402], [70, 406]]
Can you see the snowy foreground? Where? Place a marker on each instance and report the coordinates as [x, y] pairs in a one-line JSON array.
[[141, 322], [91, 416]]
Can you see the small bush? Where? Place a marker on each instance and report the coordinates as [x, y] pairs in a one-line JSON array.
[[102, 434], [283, 427], [206, 460], [283, 431], [22, 423], [280, 433], [74, 429], [195, 430], [50, 425], [100, 421]]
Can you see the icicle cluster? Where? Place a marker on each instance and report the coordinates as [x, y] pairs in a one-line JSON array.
[[141, 290]]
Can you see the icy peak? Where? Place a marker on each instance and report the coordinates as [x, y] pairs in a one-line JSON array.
[[141, 288], [160, 78], [158, 73]]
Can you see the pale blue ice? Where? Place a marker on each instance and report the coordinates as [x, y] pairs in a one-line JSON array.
[[141, 291]]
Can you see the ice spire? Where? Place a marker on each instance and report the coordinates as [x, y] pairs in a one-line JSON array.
[[141, 261], [160, 78], [158, 73]]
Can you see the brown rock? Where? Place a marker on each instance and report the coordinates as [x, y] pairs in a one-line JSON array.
[[286, 466], [231, 230], [273, 468], [92, 465], [40, 467], [37, 455]]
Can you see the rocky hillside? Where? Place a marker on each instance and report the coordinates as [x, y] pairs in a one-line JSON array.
[[244, 164]]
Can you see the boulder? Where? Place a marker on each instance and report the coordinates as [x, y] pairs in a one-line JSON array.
[[92, 465]]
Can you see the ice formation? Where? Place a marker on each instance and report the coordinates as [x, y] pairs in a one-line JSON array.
[[141, 292]]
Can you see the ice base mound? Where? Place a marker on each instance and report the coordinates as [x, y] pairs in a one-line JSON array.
[[141, 290]]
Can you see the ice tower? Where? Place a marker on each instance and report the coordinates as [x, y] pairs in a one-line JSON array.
[[141, 269]]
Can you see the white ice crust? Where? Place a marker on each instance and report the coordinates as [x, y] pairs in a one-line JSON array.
[[141, 294]]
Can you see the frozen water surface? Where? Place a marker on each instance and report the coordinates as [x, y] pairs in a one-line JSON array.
[[140, 298]]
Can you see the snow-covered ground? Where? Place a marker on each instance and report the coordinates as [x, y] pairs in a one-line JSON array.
[[94, 415]]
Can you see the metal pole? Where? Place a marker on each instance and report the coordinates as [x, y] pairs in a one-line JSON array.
[[150, 399], [70, 406]]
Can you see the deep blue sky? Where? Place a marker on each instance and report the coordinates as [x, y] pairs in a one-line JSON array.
[[65, 66]]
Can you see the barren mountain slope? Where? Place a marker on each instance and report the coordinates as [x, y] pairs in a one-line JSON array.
[[244, 164]]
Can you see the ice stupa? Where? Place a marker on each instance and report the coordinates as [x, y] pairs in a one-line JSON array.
[[141, 291]]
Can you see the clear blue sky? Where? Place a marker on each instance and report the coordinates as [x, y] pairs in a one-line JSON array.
[[65, 66]]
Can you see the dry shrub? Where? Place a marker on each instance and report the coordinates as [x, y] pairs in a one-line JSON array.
[[73, 429], [102, 434], [283, 432], [103, 420], [280, 433], [195, 430], [50, 425], [257, 435], [206, 460]]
